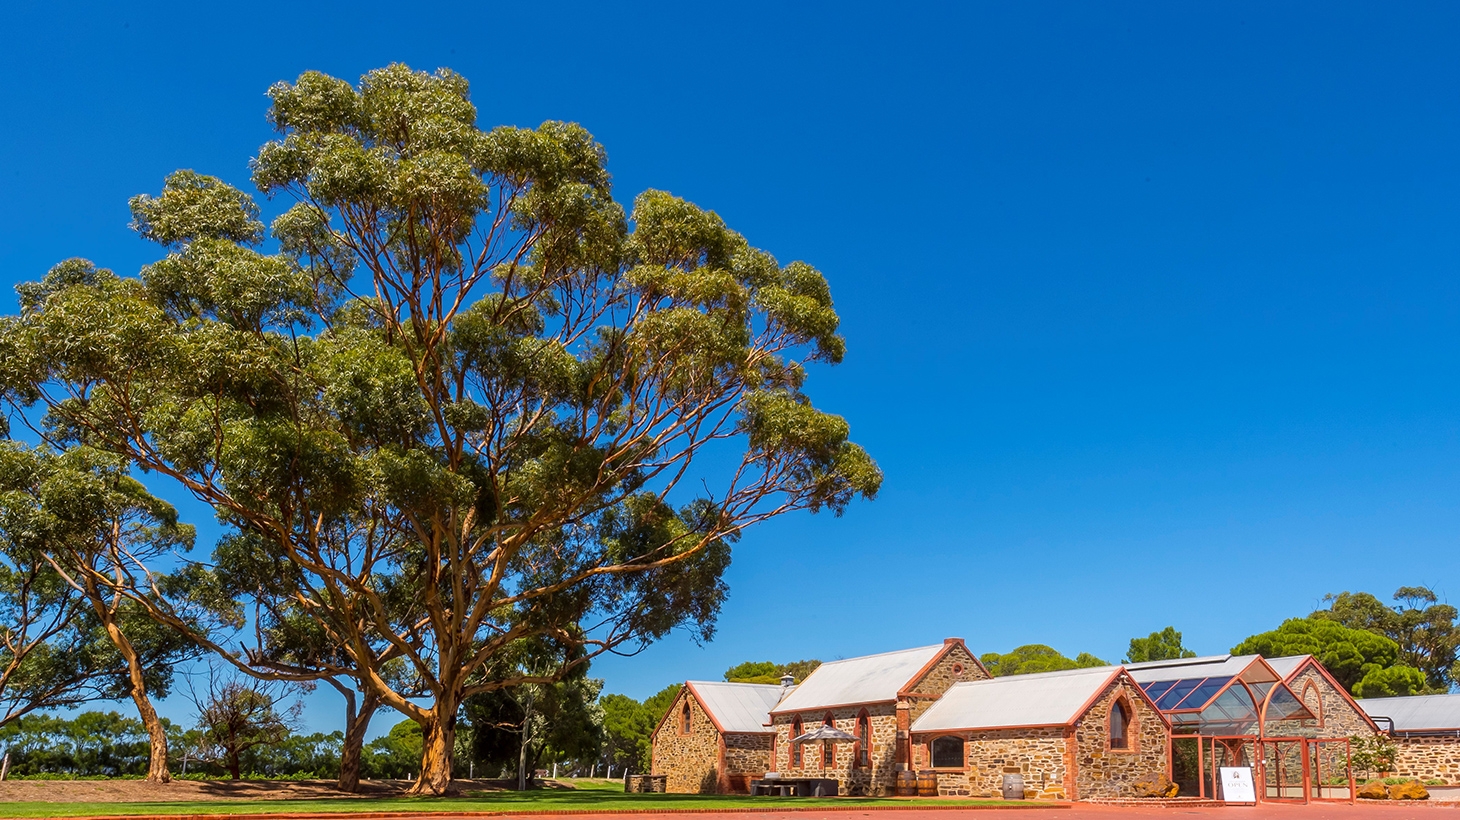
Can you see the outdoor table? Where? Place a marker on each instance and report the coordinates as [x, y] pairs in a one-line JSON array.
[[793, 786]]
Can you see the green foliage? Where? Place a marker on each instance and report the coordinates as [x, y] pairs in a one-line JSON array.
[[768, 672], [75, 532], [1391, 682], [90, 744], [628, 727], [108, 744], [1348, 654], [1034, 658], [396, 755], [1158, 646], [451, 405], [659, 702], [1424, 629], [1372, 753], [528, 724]]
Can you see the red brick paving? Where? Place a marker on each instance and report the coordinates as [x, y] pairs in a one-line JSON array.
[[1265, 811]]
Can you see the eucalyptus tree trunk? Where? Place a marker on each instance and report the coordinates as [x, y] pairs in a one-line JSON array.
[[522, 749], [438, 742], [357, 723], [157, 771]]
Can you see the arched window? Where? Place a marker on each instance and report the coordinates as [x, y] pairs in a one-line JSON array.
[[828, 749], [948, 752], [1119, 725], [796, 731], [684, 719], [864, 739], [1313, 700]]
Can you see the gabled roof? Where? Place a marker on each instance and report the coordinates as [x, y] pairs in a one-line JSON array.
[[1046, 699], [1417, 713], [737, 707], [1212, 666], [1289, 665], [868, 679]]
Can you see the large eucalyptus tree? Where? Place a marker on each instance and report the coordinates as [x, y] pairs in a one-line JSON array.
[[469, 398]]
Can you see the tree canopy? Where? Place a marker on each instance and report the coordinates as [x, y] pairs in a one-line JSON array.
[[769, 672], [456, 384], [1158, 646], [1034, 658], [1348, 654], [1422, 627]]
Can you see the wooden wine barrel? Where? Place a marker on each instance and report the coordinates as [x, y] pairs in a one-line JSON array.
[[927, 784], [907, 784]]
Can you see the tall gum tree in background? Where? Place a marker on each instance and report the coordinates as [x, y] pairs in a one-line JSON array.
[[78, 515], [471, 400]]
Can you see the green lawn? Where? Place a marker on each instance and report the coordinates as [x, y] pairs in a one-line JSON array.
[[605, 796]]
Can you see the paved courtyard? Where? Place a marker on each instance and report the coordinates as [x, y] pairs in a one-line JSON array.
[[1266, 811]]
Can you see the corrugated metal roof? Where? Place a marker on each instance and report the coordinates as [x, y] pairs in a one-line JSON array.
[[1209, 667], [1287, 665], [738, 707], [1416, 712], [868, 679], [1046, 699]]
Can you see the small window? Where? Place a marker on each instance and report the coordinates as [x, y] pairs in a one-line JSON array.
[[684, 719], [864, 739], [948, 753], [796, 747], [1119, 726], [957, 670]]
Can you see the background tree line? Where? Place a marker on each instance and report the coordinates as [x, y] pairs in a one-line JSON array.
[[1368, 646], [1373, 649]]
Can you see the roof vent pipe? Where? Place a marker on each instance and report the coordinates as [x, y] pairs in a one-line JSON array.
[[787, 682]]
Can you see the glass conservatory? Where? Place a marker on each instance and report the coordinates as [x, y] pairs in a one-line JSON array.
[[1236, 711]]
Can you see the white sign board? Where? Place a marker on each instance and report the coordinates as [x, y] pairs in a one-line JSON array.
[[1237, 784]]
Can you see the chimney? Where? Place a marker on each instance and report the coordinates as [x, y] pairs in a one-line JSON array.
[[952, 641], [786, 683]]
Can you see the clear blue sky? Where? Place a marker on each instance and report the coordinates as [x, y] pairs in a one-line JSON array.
[[1152, 308]]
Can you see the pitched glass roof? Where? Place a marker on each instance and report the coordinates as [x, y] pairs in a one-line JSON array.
[[1220, 702], [1185, 693]]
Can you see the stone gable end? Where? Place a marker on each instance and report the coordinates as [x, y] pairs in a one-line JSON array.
[[955, 665], [1103, 772], [1337, 715], [689, 761]]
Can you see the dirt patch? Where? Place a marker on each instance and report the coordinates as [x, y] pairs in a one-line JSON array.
[[140, 791]]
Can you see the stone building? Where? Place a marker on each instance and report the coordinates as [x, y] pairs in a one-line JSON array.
[[1085, 734], [1426, 732], [875, 699], [1079, 734], [715, 737], [1335, 712]]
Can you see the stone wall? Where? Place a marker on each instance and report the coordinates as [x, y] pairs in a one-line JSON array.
[[878, 778], [688, 760], [1337, 715], [1039, 754], [1103, 772], [747, 756], [1428, 758]]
